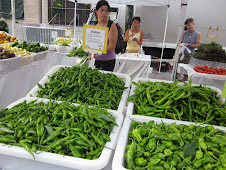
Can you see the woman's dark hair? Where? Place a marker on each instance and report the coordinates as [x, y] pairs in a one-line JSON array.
[[136, 18], [188, 21], [102, 3]]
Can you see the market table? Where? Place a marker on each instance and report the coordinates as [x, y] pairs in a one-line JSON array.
[[202, 78], [16, 83], [134, 65]]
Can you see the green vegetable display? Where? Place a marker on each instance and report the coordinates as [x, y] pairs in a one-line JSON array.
[[64, 44], [34, 47], [210, 52], [57, 128], [78, 52], [188, 103], [168, 147], [84, 85]]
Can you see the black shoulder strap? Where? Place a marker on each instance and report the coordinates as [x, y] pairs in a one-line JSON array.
[[109, 24]]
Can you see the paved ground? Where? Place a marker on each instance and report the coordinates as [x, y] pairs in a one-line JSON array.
[[162, 75]]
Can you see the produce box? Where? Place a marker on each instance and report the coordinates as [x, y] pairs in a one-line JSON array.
[[119, 161], [9, 64], [41, 55], [131, 108], [6, 38], [59, 159], [64, 49], [27, 59], [54, 69], [197, 62], [69, 41]]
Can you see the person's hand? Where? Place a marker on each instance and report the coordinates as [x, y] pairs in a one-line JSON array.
[[135, 39], [89, 56], [186, 44]]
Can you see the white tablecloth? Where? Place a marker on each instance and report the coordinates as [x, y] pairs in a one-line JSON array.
[[202, 78], [136, 66]]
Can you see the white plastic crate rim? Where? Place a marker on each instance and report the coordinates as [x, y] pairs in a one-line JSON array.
[[137, 80], [118, 160], [41, 55], [126, 78], [67, 161]]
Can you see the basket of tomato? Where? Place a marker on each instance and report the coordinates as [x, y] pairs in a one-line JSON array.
[[210, 70]]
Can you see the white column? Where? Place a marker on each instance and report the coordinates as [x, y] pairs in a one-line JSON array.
[[13, 16], [75, 21], [164, 38]]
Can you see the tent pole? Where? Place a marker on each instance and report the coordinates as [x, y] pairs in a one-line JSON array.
[[180, 31], [164, 38], [75, 20], [13, 16]]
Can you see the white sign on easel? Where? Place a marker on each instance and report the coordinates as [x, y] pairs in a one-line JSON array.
[[94, 41]]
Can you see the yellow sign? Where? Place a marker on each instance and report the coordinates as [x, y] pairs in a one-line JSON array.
[[224, 91], [95, 39], [67, 33], [212, 33]]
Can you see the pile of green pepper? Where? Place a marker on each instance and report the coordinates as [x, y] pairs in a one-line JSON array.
[[81, 84], [171, 147], [188, 103], [57, 128]]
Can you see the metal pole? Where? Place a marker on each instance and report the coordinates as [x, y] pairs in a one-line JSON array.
[[180, 31], [13, 16], [75, 20], [164, 38]]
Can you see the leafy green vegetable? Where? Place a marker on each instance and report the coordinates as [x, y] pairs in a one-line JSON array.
[[78, 52], [189, 149], [210, 52]]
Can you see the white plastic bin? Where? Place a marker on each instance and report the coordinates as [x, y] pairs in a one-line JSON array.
[[9, 64], [41, 55], [54, 69], [64, 49], [67, 161], [27, 59], [118, 160], [130, 109]]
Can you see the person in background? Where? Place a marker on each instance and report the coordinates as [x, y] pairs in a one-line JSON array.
[[190, 38], [106, 61], [134, 37]]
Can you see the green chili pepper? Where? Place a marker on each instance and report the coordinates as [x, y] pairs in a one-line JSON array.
[[75, 151], [199, 154], [152, 144], [154, 162], [140, 161], [219, 139], [130, 155], [198, 163], [137, 135], [52, 136], [166, 165], [167, 143], [176, 137]]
